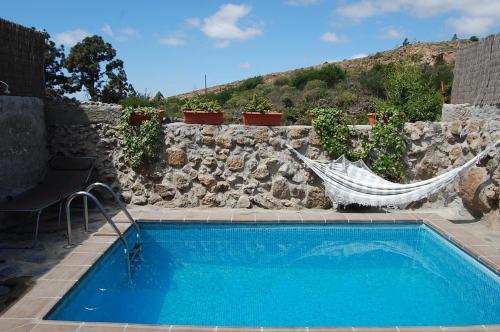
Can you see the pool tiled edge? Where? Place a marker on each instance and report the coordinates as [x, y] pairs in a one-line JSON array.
[[27, 314]]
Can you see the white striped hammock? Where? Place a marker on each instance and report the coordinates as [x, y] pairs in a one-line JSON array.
[[349, 182]]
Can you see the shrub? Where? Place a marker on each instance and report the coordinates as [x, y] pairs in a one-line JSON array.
[[251, 83], [139, 100], [331, 74], [282, 80], [407, 89], [258, 104], [373, 80], [315, 84], [346, 99], [474, 38]]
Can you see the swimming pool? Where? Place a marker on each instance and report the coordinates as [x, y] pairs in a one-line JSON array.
[[288, 275]]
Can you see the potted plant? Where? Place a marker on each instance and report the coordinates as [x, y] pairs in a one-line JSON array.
[[199, 110], [372, 118], [257, 112], [138, 115]]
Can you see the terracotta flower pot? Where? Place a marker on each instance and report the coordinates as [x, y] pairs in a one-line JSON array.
[[137, 117], [372, 118], [212, 118], [262, 119]]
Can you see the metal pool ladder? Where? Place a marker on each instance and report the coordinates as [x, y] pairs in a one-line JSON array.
[[133, 256]]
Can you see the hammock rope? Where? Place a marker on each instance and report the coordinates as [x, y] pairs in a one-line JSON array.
[[349, 182]]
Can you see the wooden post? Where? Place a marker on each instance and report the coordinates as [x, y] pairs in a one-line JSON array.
[[442, 92]]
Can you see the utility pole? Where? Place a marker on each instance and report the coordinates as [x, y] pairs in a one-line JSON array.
[[205, 83]]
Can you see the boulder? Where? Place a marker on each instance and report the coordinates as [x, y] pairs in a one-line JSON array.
[[165, 192], [316, 198], [280, 188], [181, 181], [471, 187], [207, 180], [235, 163], [225, 141], [261, 172], [176, 157], [298, 132], [243, 202]]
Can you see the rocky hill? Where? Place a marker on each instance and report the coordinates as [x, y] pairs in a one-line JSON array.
[[420, 52]]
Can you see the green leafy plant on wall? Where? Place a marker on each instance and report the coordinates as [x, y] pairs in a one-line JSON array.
[[388, 143], [201, 104], [331, 125], [258, 104], [142, 142]]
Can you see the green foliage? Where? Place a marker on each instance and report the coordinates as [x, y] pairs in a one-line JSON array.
[[346, 99], [143, 142], [373, 80], [201, 104], [474, 38], [441, 71], [251, 83], [55, 80], [85, 62], [137, 100], [406, 42], [331, 74], [331, 125], [315, 90], [258, 104], [388, 142], [281, 81], [409, 90]]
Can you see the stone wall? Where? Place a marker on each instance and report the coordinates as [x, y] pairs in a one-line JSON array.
[[23, 153], [242, 166]]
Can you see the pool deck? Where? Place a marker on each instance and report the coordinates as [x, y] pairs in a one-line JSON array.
[[28, 312]]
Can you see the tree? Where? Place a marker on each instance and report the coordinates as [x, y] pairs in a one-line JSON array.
[[455, 37], [86, 61], [56, 82], [474, 38], [406, 42], [116, 87]]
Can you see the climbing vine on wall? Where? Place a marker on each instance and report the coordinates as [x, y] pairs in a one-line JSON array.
[[331, 125], [388, 143], [387, 149], [141, 142]]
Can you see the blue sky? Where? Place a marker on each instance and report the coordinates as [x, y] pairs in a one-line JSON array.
[[169, 45]]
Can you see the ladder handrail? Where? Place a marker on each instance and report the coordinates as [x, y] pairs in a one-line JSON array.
[[101, 209], [117, 200]]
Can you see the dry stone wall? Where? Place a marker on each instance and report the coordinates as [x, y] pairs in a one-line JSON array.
[[245, 167]]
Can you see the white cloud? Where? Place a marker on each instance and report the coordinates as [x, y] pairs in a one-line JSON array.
[[224, 23], [245, 66], [129, 32], [332, 37], [193, 22], [470, 16], [222, 44], [172, 41], [70, 37], [301, 2], [359, 55], [107, 30], [391, 33]]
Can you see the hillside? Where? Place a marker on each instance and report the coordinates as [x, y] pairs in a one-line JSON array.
[[422, 52]]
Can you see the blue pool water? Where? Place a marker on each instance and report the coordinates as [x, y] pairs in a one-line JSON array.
[[288, 275]]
